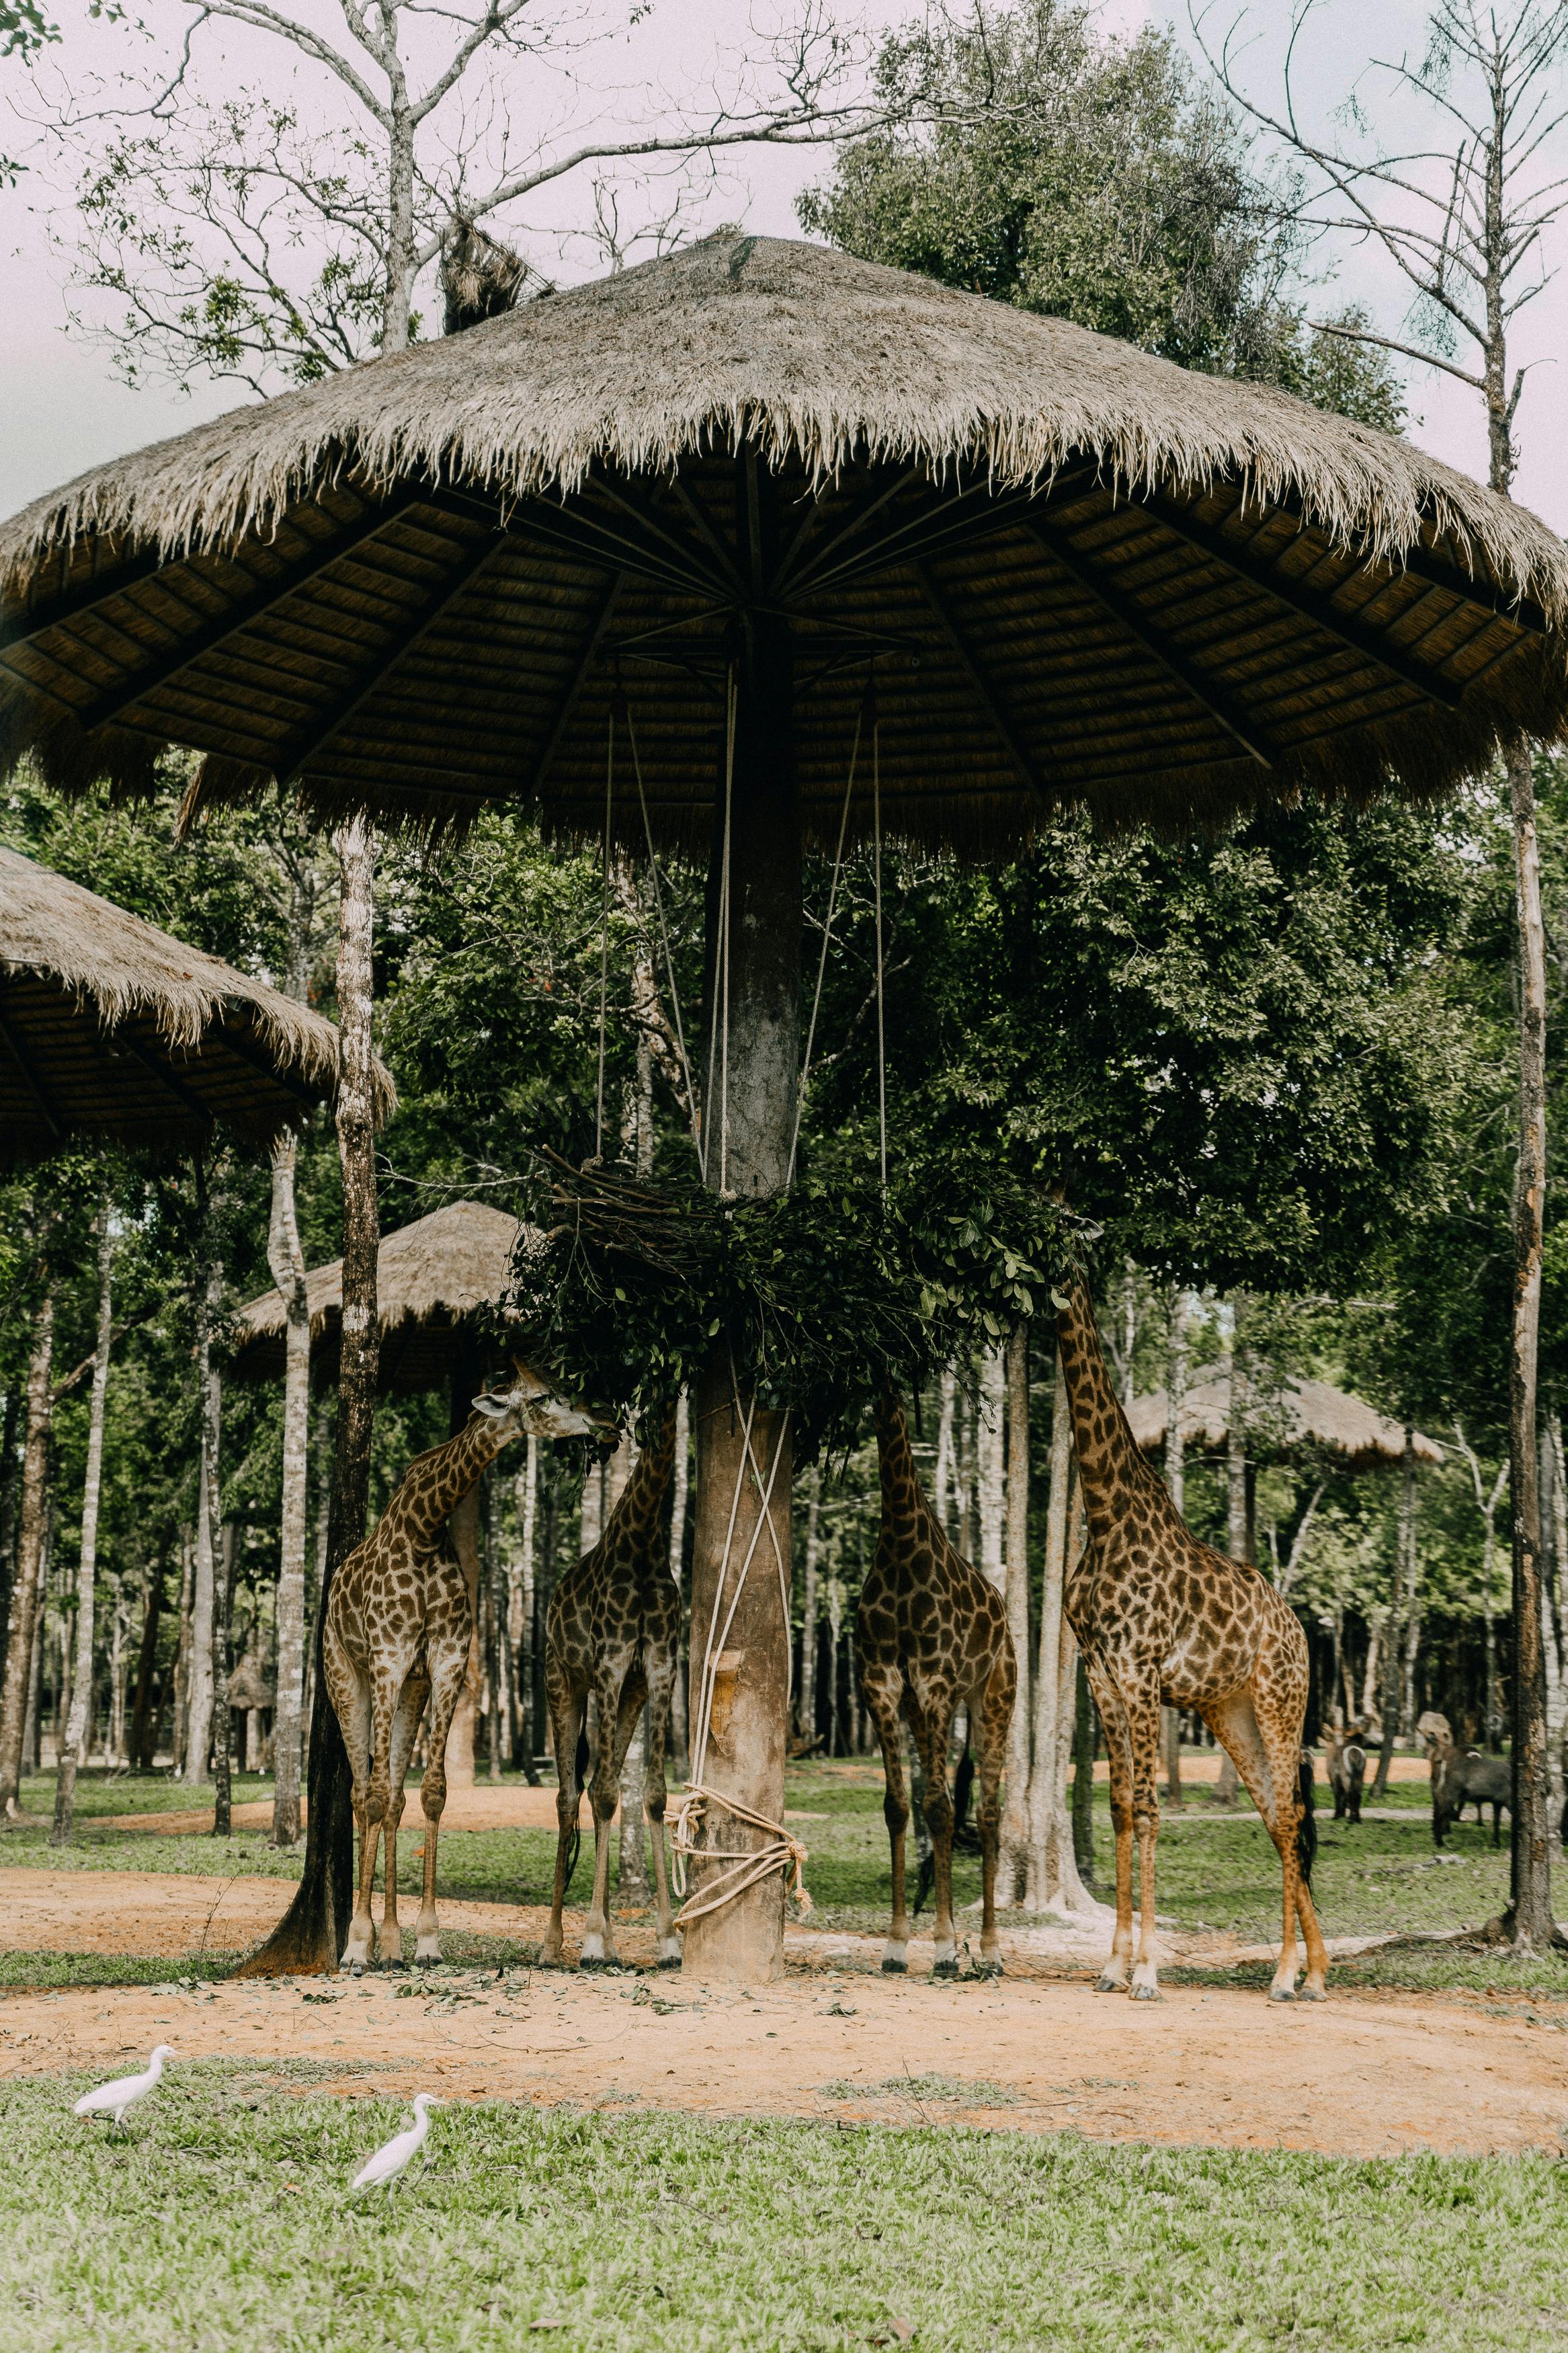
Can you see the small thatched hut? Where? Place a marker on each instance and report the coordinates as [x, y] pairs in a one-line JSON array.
[[1301, 1413], [432, 1278], [109, 1026]]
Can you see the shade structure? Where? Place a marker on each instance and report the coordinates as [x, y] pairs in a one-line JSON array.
[[433, 1279], [111, 1028], [734, 505], [1304, 1413], [1081, 572]]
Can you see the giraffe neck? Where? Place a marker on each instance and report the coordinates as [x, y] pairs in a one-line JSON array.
[[895, 1456], [642, 1497], [435, 1484], [1109, 1456]]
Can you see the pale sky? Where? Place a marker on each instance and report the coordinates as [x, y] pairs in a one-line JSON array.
[[64, 410]]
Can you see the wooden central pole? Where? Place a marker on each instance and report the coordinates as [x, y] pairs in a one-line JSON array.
[[749, 1120]]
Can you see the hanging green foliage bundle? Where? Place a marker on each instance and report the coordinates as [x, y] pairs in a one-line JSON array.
[[822, 1298]]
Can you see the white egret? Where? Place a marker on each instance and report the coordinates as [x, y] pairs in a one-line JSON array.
[[113, 2099], [390, 2161]]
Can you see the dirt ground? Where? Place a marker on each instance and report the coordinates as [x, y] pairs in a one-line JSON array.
[[1364, 2074]]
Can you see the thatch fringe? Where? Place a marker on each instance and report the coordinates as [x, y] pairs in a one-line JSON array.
[[1304, 1413], [811, 355]]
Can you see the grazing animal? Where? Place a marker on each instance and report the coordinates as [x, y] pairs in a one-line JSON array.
[[399, 1622], [113, 2099], [930, 1634], [1434, 1730], [614, 1630], [1461, 1778], [1164, 1620], [1345, 1756], [395, 2156]]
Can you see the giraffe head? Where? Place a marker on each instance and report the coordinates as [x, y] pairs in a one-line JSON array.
[[529, 1403]]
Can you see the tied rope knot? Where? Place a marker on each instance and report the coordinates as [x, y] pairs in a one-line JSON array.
[[747, 1866]]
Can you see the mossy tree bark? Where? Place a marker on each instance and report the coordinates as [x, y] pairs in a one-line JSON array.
[[31, 1532]]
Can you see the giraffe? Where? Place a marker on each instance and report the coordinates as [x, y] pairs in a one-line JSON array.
[[613, 1629], [1160, 1616], [398, 1624], [931, 1633]]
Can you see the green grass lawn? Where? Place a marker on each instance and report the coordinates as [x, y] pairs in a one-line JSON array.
[[223, 2218], [1217, 1870]]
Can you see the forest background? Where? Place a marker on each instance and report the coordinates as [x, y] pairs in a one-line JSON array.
[[1277, 1066]]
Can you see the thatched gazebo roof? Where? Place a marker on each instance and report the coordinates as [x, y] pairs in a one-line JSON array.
[[1303, 1413], [1085, 575], [431, 1278], [110, 1027]]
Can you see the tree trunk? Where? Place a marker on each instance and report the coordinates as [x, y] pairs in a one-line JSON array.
[[183, 1653], [740, 1705], [8, 1483], [806, 1706], [680, 1735], [1531, 1903], [946, 1458], [1404, 1587], [311, 1933], [223, 1721], [25, 1611], [1083, 1778], [1015, 1856], [199, 1718], [1176, 1480], [73, 1751], [990, 1469], [286, 1259], [120, 1627]]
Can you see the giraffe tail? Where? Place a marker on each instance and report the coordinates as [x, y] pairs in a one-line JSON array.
[[1306, 1821], [575, 1843]]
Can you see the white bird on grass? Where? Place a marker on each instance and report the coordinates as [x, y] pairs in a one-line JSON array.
[[400, 2151], [113, 2099]]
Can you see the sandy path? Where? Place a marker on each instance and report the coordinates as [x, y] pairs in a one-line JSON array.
[[1360, 2076], [1364, 2074]]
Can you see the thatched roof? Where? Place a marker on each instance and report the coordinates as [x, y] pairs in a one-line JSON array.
[[109, 1026], [1087, 575], [1303, 1413], [430, 1278]]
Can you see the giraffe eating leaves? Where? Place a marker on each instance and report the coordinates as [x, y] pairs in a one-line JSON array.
[[930, 1633], [1161, 1618], [399, 1621], [612, 1630]]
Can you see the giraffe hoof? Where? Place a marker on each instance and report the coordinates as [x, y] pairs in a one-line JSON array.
[[669, 1960], [1281, 1993], [1109, 1984], [895, 1968], [988, 1966], [1313, 1993], [1146, 1993], [947, 1968], [356, 1968]]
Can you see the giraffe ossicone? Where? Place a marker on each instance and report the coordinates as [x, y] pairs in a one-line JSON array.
[[399, 1622]]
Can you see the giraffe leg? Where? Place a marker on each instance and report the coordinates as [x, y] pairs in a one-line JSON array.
[[659, 1667], [620, 1704], [990, 1713], [348, 1691], [449, 1665], [881, 1687], [1266, 1763], [931, 1722], [405, 1724], [1143, 1729], [1114, 1977], [568, 1708]]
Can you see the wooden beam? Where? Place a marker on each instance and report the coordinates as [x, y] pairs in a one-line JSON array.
[[183, 1095], [561, 717], [239, 616], [260, 1061], [984, 691], [305, 748], [31, 1079], [1310, 603], [18, 629], [585, 539], [1127, 615]]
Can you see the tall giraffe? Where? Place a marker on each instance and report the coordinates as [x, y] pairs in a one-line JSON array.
[[931, 1633], [614, 1630], [399, 1621], [1162, 1617]]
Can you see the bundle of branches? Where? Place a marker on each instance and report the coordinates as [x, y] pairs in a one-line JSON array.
[[821, 1298]]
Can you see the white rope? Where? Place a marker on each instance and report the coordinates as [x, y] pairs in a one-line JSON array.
[[827, 936], [663, 931], [747, 1867], [604, 938], [881, 1035]]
